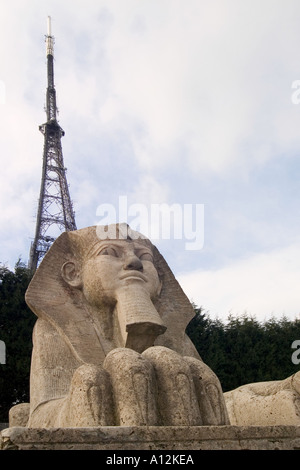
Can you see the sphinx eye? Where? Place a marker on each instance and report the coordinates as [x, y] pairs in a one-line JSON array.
[[108, 251], [146, 257]]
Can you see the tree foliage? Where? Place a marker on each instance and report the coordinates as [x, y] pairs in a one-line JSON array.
[[243, 350], [16, 324]]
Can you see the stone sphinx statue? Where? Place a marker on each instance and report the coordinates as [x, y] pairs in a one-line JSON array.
[[109, 344], [270, 403]]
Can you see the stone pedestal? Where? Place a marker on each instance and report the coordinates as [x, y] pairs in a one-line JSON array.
[[153, 438]]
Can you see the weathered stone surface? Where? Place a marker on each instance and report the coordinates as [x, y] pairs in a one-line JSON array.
[[19, 415], [265, 403], [109, 345], [153, 438]]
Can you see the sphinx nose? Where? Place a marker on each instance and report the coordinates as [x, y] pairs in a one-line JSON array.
[[134, 263]]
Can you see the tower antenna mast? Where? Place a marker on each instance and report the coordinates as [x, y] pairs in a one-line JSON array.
[[55, 210]]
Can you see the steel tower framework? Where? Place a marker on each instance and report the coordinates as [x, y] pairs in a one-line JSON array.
[[55, 210]]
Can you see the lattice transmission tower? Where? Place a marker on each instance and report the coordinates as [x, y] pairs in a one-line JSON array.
[[55, 210]]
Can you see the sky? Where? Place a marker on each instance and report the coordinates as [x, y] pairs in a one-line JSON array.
[[193, 105]]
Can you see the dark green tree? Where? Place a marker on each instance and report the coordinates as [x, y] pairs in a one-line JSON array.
[[243, 350], [279, 336], [16, 325]]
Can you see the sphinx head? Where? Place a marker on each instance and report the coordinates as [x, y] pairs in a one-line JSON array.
[[108, 266], [103, 270]]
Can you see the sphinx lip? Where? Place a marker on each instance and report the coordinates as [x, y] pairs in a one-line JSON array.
[[134, 275]]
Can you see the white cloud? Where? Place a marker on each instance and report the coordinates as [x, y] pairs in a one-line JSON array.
[[206, 76], [262, 285]]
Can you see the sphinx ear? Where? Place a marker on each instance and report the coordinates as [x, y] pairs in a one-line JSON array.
[[71, 274]]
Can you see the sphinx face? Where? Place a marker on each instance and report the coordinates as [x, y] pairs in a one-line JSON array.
[[115, 264]]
